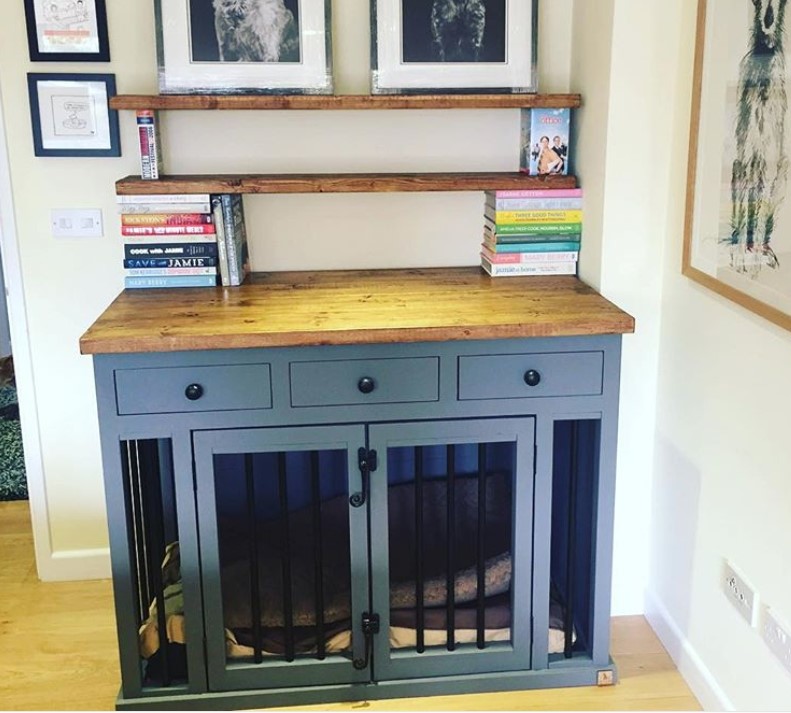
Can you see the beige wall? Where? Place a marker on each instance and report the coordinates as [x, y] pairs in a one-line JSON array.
[[67, 283], [722, 479]]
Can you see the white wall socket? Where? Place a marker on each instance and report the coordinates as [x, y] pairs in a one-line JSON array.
[[77, 223], [777, 636], [740, 593]]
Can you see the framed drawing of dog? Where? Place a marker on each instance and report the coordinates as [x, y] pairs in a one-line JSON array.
[[243, 46], [453, 46], [737, 238]]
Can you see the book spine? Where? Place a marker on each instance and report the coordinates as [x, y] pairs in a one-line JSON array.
[[543, 217], [531, 247], [183, 238], [170, 250], [539, 193], [153, 219], [171, 281], [148, 138], [170, 262], [167, 271], [229, 221], [163, 198], [160, 208], [222, 245], [506, 204], [537, 229], [547, 268], [499, 238], [517, 258], [167, 229]]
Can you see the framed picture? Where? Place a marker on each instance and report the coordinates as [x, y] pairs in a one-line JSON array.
[[67, 30], [737, 236], [451, 46], [71, 115], [243, 46]]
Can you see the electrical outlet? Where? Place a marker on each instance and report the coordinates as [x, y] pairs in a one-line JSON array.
[[777, 637], [77, 223], [740, 593]]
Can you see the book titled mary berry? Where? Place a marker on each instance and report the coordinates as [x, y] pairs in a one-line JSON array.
[[203, 229]]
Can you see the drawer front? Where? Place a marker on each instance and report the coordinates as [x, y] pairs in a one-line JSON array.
[[364, 381], [219, 388], [506, 376]]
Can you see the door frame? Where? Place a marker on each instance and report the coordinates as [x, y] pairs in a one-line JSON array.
[[48, 565]]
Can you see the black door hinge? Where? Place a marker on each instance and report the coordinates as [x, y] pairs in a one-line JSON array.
[[370, 626], [367, 462]]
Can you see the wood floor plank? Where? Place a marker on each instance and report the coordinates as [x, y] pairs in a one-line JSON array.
[[58, 651]]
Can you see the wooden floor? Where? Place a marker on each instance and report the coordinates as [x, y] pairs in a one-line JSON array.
[[58, 650]]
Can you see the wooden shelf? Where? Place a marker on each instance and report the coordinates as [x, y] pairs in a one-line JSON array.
[[353, 307], [340, 102], [340, 183]]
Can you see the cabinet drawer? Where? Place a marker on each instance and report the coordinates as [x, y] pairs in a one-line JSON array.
[[506, 376], [364, 381], [220, 388]]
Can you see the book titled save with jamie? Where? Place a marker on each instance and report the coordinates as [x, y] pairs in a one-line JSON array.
[[545, 142]]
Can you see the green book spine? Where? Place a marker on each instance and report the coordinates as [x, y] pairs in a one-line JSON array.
[[538, 228], [521, 238]]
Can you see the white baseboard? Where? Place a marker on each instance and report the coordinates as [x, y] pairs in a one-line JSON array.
[[689, 663], [72, 565]]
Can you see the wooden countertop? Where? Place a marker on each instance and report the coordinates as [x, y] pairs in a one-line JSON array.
[[279, 309]]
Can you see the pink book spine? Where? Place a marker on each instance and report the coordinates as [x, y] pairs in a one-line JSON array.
[[518, 258], [541, 193]]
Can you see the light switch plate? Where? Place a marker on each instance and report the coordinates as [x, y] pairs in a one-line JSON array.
[[77, 223]]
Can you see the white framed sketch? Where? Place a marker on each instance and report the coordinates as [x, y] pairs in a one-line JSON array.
[[71, 115], [453, 46], [737, 237], [67, 30], [243, 46]]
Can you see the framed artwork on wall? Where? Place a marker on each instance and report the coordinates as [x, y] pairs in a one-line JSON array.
[[67, 30], [243, 46], [452, 46], [737, 234], [71, 115]]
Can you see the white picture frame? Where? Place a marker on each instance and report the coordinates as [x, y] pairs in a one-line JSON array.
[[409, 55], [290, 56]]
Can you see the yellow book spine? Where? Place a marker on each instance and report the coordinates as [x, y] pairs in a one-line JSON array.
[[515, 217]]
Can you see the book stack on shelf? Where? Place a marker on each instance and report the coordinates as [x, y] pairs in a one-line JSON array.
[[185, 240], [532, 232]]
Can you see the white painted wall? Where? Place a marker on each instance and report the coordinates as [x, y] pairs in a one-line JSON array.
[[722, 476]]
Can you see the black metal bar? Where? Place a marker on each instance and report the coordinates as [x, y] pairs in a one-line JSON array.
[[151, 485], [255, 579], [285, 554], [481, 563], [571, 545], [132, 518], [419, 585], [318, 559], [451, 558]]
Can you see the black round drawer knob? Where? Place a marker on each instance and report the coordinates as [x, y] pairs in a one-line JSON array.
[[193, 392], [366, 385], [532, 377]]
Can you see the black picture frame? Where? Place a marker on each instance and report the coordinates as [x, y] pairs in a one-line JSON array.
[[84, 101], [95, 9]]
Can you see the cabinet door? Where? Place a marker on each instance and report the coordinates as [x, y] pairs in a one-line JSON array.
[[451, 530], [283, 555]]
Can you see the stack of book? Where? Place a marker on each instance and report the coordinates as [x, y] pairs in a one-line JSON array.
[[183, 240], [532, 232]]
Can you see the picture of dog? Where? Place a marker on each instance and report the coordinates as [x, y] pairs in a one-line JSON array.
[[469, 31], [457, 28], [760, 169], [255, 31]]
